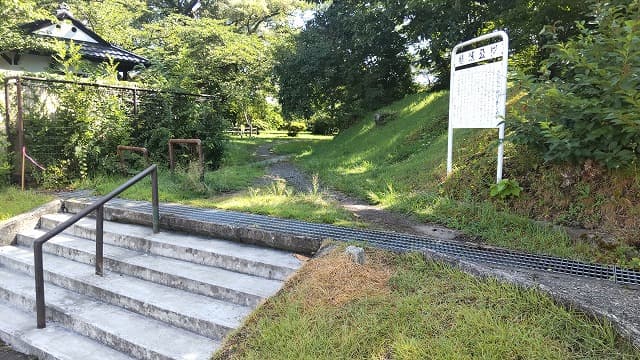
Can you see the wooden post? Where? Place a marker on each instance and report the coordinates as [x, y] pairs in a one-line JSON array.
[[7, 110], [135, 101]]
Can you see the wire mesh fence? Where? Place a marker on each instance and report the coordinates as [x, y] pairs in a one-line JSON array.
[[72, 129]]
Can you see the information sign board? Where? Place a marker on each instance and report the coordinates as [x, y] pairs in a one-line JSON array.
[[479, 88]]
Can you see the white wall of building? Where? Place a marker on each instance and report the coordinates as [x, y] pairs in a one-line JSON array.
[[26, 63]]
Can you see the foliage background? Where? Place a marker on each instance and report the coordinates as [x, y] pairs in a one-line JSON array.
[[585, 103]]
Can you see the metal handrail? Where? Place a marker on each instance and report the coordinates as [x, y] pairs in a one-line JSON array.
[[98, 206]]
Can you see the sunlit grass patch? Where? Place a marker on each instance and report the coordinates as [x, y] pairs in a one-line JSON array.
[[181, 185], [401, 166], [281, 201], [13, 201]]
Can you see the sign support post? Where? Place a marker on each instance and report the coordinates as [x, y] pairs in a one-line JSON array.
[[478, 93]]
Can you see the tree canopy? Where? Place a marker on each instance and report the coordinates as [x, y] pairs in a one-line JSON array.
[[225, 48], [349, 57]]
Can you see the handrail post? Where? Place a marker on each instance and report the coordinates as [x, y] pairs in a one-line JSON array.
[[155, 201], [99, 240], [37, 261]]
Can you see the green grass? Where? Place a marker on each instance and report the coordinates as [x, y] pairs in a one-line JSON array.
[[297, 146], [280, 201], [402, 167], [427, 311], [15, 201], [238, 173]]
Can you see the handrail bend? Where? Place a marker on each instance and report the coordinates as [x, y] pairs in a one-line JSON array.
[[98, 206]]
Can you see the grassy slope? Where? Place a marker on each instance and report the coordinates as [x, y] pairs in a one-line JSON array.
[[402, 166], [401, 307]]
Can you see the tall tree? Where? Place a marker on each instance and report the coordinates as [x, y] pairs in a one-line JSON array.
[[249, 16], [205, 55], [13, 14], [441, 24], [349, 58]]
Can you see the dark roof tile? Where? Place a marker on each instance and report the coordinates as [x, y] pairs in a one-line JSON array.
[[104, 52]]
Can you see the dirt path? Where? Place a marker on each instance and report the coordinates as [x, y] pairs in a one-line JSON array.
[[281, 168]]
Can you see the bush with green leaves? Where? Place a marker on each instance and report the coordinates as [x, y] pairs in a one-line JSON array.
[[78, 135], [81, 132], [585, 105], [323, 123], [295, 127], [5, 166], [162, 116]]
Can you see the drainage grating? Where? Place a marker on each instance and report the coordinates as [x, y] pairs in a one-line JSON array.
[[394, 241]]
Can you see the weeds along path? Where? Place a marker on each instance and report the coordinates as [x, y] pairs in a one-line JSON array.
[[281, 168]]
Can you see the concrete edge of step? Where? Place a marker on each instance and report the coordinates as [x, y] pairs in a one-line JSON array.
[[231, 294], [249, 235], [24, 349], [32, 343], [260, 267], [78, 322], [11, 227]]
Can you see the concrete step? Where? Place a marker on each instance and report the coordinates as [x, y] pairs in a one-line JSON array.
[[244, 258], [113, 326], [205, 316], [18, 329], [238, 288], [260, 230]]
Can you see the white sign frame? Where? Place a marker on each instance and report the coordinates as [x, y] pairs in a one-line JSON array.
[[478, 66]]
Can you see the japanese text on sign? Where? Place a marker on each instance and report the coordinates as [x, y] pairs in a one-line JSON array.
[[484, 53], [479, 97], [479, 89]]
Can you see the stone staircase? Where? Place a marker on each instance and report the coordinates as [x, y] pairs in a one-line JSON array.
[[163, 296]]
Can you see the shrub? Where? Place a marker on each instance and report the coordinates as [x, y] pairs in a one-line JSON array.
[[505, 188], [5, 166], [78, 137], [80, 134], [586, 103], [322, 123], [295, 127]]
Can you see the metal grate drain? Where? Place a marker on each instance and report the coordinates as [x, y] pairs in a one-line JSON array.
[[395, 241]]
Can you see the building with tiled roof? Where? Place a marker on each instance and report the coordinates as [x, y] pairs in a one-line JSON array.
[[92, 47]]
